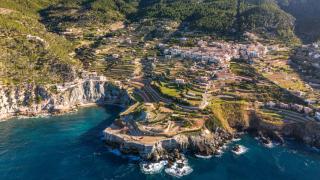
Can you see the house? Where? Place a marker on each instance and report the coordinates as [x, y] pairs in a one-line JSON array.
[[297, 107], [315, 45], [183, 39], [128, 41], [284, 106], [166, 51], [115, 56], [202, 43], [118, 83], [307, 110], [299, 93], [191, 94], [151, 58], [203, 79], [167, 56], [317, 116], [316, 56], [160, 45], [253, 54], [310, 101], [270, 104], [180, 81]]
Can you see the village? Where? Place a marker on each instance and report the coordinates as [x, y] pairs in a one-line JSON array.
[[179, 77], [176, 79]]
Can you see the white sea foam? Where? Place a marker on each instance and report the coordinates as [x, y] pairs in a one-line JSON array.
[[269, 145], [37, 116], [203, 157], [225, 146], [220, 152], [236, 139], [152, 168], [177, 171], [241, 150]]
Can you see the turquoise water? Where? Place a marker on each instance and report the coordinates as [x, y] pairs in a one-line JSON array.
[[70, 147]]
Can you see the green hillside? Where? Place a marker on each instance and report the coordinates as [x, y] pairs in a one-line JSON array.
[[26, 7], [223, 17], [86, 13], [27, 49], [31, 45], [307, 17]]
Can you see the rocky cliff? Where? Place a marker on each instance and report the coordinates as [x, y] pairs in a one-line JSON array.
[[156, 148], [308, 132], [239, 116], [32, 100]]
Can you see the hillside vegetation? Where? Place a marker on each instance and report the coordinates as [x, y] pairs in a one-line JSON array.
[[30, 44], [28, 50], [223, 17], [231, 114], [307, 17], [86, 13]]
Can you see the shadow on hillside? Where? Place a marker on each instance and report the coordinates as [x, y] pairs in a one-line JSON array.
[[56, 15], [307, 19], [264, 89], [305, 67], [93, 137]]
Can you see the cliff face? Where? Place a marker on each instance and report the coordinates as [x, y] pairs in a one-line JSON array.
[[238, 116], [157, 148], [308, 132], [32, 100], [145, 150]]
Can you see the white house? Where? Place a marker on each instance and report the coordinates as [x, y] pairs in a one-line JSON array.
[[168, 56], [307, 110], [180, 81], [271, 104], [317, 116]]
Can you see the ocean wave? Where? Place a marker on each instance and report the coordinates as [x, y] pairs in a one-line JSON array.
[[203, 157], [152, 168], [21, 117], [236, 139], [269, 145], [225, 146], [241, 150], [179, 168], [220, 152]]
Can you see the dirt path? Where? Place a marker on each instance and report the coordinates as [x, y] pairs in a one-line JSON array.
[[5, 11]]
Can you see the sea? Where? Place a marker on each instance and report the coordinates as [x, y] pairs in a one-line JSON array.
[[70, 146]]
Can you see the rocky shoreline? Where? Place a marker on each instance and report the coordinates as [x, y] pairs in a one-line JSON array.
[[35, 100], [204, 143]]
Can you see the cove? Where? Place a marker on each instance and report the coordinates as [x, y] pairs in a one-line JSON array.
[[70, 147]]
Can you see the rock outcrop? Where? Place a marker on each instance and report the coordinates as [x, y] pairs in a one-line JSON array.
[[157, 148], [32, 100], [308, 132]]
